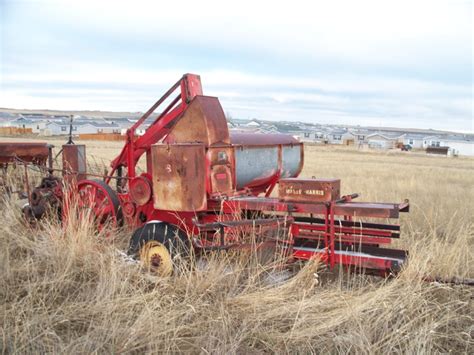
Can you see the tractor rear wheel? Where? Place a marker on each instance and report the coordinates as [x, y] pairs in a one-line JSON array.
[[157, 245]]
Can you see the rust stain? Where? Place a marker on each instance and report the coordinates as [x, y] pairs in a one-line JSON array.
[[179, 177], [203, 121], [74, 162], [36, 153]]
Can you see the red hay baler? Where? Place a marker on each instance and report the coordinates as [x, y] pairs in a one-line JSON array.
[[205, 187]]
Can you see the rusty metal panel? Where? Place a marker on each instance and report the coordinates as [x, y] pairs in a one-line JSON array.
[[36, 153], [309, 190], [367, 209], [179, 177], [203, 121], [74, 161], [191, 86], [220, 170]]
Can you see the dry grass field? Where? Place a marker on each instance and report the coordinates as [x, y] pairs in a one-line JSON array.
[[67, 290]]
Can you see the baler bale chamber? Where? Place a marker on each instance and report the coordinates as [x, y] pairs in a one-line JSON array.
[[204, 186]]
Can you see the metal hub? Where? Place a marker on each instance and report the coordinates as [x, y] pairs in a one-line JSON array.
[[156, 258]]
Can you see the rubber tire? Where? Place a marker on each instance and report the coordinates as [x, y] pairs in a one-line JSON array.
[[113, 197], [173, 238]]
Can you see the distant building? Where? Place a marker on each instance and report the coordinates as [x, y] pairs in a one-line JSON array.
[[383, 140], [254, 123], [458, 145], [431, 141], [80, 127], [337, 136], [360, 136], [35, 125], [414, 140]]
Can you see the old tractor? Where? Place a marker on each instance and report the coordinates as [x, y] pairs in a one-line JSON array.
[[204, 187]]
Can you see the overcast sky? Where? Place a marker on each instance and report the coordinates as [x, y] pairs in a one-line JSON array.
[[382, 63]]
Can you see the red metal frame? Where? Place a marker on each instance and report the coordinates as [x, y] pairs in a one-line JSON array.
[[329, 240], [329, 229], [190, 86]]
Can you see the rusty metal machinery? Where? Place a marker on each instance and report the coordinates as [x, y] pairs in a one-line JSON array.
[[206, 182], [24, 153]]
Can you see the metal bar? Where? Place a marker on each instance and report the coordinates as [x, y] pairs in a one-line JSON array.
[[352, 258], [50, 159], [245, 222], [31, 165], [156, 132], [348, 230], [332, 235], [356, 224], [27, 184], [155, 105], [130, 153], [352, 239], [347, 198], [167, 109]]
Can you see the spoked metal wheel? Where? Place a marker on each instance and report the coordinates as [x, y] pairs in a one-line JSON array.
[[157, 245], [101, 201]]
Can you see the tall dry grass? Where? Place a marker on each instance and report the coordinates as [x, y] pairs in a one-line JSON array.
[[68, 290]]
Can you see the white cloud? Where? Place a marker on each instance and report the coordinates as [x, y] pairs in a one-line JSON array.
[[376, 54], [98, 74], [388, 32]]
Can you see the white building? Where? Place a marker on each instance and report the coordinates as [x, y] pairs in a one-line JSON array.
[[431, 141], [360, 136], [337, 136], [383, 140], [458, 145], [79, 127], [253, 123], [415, 141], [35, 125]]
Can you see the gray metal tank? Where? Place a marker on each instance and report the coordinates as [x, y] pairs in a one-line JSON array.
[[261, 158]]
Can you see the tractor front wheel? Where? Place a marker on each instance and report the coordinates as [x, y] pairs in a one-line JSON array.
[[158, 245]]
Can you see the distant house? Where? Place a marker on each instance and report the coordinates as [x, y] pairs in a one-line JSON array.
[[382, 140], [337, 136], [349, 138], [6, 118], [360, 136], [80, 127], [431, 141], [415, 141], [253, 123], [35, 125], [458, 145], [320, 136], [304, 136], [269, 129]]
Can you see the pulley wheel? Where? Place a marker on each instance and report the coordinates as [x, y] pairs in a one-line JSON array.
[[102, 201]]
